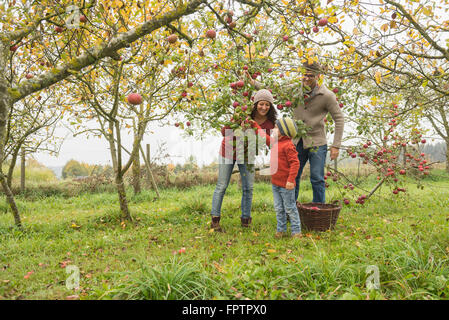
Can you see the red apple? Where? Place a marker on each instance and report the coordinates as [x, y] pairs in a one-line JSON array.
[[288, 104], [315, 29], [83, 19], [235, 104], [245, 67], [280, 107], [172, 38], [13, 48], [322, 22], [233, 24], [211, 34], [240, 84], [59, 29], [285, 38], [244, 108], [134, 98], [335, 90], [190, 84], [29, 76]]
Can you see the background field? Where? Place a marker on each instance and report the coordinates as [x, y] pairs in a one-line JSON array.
[[407, 239]]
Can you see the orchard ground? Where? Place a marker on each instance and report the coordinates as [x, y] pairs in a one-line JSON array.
[[169, 251]]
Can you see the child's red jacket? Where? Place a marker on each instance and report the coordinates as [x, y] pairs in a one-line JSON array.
[[284, 162]]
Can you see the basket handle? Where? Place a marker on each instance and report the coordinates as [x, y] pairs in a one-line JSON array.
[[335, 202]]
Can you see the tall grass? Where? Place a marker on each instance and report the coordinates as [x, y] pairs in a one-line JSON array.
[[172, 280]]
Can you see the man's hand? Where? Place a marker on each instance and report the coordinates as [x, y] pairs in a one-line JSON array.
[[334, 153], [289, 186]]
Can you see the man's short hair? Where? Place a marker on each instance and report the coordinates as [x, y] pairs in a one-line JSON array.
[[313, 67]]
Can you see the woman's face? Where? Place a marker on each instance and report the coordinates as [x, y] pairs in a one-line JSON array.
[[263, 107]]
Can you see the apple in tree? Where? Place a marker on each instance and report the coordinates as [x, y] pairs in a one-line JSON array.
[[288, 104], [211, 34], [134, 98], [83, 19], [176, 124], [315, 29], [322, 22], [29, 76], [188, 123], [172, 38], [285, 38], [13, 48], [335, 90], [59, 29], [240, 84]]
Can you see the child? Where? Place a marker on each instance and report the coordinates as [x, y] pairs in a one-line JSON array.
[[284, 166]]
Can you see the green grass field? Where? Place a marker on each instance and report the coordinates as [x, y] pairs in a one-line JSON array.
[[405, 237]]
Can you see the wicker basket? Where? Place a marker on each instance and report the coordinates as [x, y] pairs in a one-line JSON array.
[[322, 219]]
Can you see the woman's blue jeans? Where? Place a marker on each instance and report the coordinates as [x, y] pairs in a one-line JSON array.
[[317, 159], [225, 167]]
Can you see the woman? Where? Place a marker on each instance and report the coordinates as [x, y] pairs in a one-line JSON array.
[[264, 114]]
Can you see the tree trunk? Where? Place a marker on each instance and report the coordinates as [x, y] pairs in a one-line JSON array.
[[122, 197], [136, 173], [11, 201], [447, 156], [5, 107]]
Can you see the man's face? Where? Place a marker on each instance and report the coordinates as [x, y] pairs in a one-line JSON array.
[[309, 80]]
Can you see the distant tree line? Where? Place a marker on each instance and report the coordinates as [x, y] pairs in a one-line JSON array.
[[436, 152]]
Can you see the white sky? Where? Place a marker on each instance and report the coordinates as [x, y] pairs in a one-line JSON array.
[[96, 151]]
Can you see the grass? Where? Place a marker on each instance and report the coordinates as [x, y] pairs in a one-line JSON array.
[[405, 237]]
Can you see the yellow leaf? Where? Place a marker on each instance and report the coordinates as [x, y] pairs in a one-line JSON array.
[[384, 27], [378, 76], [271, 250], [427, 11]]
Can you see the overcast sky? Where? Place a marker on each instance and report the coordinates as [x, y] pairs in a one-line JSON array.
[[96, 151]]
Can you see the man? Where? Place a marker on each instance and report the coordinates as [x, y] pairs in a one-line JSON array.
[[318, 102]]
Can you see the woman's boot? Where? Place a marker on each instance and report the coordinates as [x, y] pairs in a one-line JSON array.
[[246, 222], [215, 224]]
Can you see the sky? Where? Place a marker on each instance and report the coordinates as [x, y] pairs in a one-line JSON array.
[[96, 151]]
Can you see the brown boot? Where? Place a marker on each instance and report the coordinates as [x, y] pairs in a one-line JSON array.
[[215, 224], [246, 222]]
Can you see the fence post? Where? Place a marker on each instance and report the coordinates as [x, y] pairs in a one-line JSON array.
[[22, 171]]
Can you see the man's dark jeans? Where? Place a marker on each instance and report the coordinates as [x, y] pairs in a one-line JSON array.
[[317, 158]]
